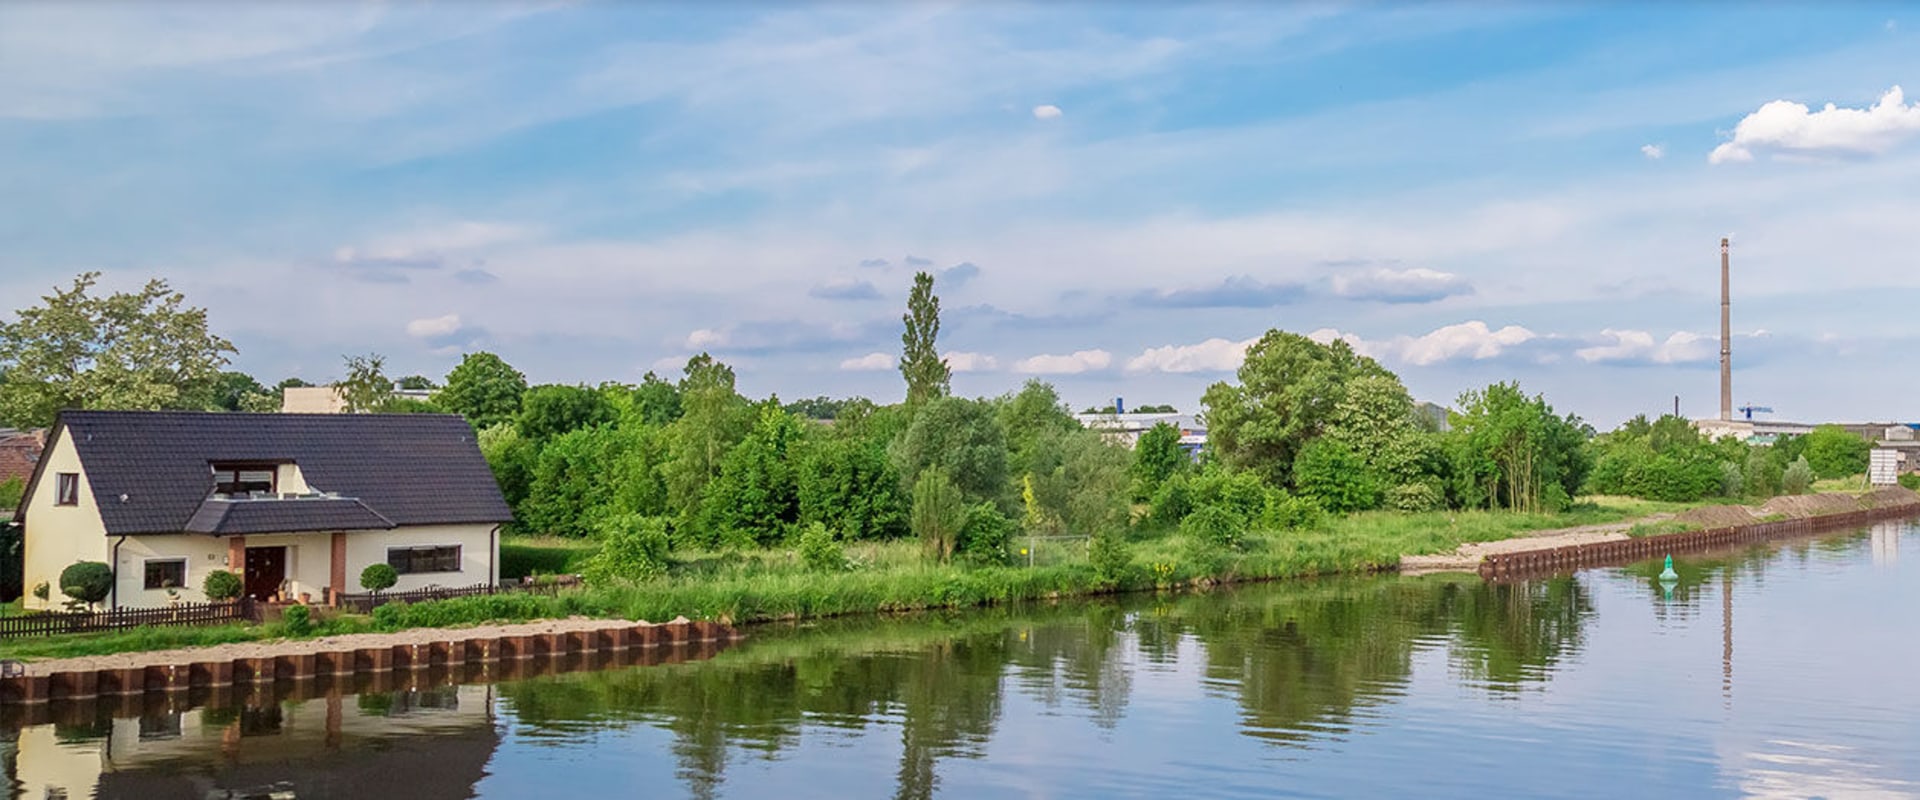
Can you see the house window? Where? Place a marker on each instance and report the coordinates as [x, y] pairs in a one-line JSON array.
[[66, 489], [240, 479], [421, 560], [166, 573]]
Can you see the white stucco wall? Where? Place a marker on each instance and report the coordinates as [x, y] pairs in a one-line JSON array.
[[309, 560], [58, 536], [478, 556]]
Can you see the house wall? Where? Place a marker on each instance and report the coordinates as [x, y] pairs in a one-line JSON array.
[[289, 480], [479, 554], [58, 536], [309, 560]]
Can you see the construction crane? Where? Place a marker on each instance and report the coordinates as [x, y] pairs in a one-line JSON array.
[[1749, 408]]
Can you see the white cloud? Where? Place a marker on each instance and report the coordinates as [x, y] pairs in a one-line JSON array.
[[871, 362], [1639, 346], [1653, 152], [971, 362], [1417, 285], [1787, 128], [705, 337], [434, 327], [1047, 112], [1073, 364], [1466, 341], [1212, 355]]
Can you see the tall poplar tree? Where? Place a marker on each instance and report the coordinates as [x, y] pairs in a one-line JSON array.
[[927, 374]]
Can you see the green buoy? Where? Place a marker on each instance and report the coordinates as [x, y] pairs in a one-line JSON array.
[[1668, 574]]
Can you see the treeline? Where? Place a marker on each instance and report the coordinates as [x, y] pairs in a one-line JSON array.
[[1668, 459]]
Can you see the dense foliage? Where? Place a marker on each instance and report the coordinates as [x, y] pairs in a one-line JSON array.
[[87, 581]]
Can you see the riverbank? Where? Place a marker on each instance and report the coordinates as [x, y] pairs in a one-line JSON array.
[[1469, 557], [891, 577]]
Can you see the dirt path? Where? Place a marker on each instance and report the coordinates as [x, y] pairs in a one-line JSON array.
[[1467, 557]]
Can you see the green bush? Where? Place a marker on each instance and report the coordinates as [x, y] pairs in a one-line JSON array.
[[1214, 525], [939, 512], [1798, 477], [1832, 452], [1415, 497], [389, 617], [987, 536], [87, 581], [1172, 502], [377, 577], [1285, 512], [297, 620], [1112, 561], [820, 551], [634, 548], [221, 585], [1911, 480], [1334, 477], [11, 490]]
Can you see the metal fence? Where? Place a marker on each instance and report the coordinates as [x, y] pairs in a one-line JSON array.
[[366, 603], [177, 615]]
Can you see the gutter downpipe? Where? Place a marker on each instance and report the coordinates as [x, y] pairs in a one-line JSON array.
[[114, 603], [493, 555]]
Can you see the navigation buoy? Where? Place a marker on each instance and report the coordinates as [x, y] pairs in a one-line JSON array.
[[1668, 574]]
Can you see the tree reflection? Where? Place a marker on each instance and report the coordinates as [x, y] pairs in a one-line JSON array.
[[1300, 660]]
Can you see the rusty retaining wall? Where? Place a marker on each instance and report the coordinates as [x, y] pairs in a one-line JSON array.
[[494, 656], [1537, 563]]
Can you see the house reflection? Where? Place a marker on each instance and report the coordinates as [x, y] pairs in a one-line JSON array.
[[426, 743]]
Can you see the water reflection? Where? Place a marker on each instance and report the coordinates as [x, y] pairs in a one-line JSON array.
[[1298, 670]]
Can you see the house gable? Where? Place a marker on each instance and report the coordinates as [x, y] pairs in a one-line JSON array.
[[58, 536]]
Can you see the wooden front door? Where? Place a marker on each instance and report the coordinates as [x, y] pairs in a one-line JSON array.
[[266, 570]]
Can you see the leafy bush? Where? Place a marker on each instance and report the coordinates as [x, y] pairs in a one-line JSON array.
[[377, 577], [1172, 502], [820, 551], [1911, 480], [1798, 477], [634, 548], [221, 585], [1214, 525], [87, 581], [297, 620], [11, 490], [1112, 561], [1333, 476], [939, 512], [987, 536], [1285, 512], [1732, 479], [389, 617], [1832, 452], [1415, 497]]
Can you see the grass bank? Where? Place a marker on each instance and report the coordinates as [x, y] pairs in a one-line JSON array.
[[889, 577]]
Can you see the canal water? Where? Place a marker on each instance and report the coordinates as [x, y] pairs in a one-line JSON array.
[[1786, 670]]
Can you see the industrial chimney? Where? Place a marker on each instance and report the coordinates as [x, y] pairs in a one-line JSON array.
[[1726, 338]]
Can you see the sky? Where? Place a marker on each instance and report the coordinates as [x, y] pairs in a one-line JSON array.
[[1115, 198]]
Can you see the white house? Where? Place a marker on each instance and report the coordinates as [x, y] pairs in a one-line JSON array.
[[297, 504]]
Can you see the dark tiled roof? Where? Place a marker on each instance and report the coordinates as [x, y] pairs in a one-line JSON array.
[[410, 469], [224, 517]]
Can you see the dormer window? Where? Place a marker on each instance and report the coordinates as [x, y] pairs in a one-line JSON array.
[[243, 479]]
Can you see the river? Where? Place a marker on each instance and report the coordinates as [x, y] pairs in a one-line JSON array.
[[1776, 671]]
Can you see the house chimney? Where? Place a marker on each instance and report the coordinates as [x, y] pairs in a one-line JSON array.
[[1726, 338]]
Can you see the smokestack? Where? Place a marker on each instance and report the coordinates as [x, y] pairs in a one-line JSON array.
[[1726, 337]]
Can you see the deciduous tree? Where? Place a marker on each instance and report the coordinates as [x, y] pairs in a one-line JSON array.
[[920, 363], [484, 389], [129, 350], [1289, 388]]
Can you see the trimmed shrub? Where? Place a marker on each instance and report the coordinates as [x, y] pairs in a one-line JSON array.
[[820, 551], [1214, 525], [221, 585], [634, 549], [378, 577], [87, 581]]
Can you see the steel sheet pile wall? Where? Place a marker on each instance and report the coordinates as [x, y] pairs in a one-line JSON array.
[[1537, 563]]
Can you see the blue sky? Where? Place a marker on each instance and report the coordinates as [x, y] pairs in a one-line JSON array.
[[1116, 197]]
